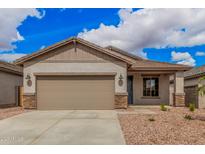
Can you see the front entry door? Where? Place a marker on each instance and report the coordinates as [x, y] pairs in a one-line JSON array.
[[130, 89]]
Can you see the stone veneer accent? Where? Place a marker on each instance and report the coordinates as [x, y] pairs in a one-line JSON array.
[[121, 100], [179, 100], [29, 101]]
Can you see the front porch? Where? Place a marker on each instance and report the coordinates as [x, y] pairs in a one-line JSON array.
[[155, 88]]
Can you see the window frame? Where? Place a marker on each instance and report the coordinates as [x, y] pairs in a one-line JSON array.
[[153, 93]]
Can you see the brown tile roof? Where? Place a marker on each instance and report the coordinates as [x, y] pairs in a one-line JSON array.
[[10, 68], [73, 40], [143, 64], [154, 65], [136, 63], [195, 72], [112, 48]]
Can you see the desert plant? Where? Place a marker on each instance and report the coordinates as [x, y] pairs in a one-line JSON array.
[[201, 88], [188, 117], [191, 107], [151, 119], [163, 107]]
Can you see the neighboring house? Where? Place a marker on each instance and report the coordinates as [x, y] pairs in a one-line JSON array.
[[192, 82], [11, 78], [77, 74]]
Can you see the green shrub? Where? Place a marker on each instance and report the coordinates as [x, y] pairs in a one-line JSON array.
[[188, 117], [163, 107], [191, 107], [151, 119]]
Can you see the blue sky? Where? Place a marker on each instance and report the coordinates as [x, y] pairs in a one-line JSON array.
[[104, 26], [61, 24]]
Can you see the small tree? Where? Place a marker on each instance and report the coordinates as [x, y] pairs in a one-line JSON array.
[[201, 88]]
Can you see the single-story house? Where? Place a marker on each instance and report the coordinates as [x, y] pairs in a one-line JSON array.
[[77, 74], [11, 78], [192, 84]]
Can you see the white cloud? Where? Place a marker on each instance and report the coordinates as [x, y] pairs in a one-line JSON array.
[[183, 58], [10, 20], [200, 53], [10, 57], [42, 47], [151, 28]]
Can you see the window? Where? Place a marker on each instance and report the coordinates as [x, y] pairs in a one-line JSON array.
[[150, 86]]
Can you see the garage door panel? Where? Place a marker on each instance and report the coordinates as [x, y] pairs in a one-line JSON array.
[[94, 92]]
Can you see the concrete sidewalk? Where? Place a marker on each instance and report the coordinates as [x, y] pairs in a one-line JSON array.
[[62, 127]]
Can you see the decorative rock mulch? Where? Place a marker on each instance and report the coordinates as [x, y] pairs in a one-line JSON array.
[[12, 111], [164, 127]]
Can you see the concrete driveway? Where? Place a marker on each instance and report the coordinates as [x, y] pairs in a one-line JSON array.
[[62, 127]]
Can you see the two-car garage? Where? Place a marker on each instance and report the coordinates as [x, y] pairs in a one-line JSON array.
[[75, 92]]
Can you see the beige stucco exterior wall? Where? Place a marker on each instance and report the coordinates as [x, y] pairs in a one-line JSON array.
[[179, 94], [77, 68], [171, 92], [179, 82], [191, 82], [8, 84], [67, 66], [138, 91], [201, 100]]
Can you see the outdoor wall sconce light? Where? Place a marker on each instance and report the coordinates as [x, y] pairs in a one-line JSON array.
[[28, 78], [120, 82]]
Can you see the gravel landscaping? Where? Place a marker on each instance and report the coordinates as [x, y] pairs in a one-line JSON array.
[[12, 111], [163, 127]]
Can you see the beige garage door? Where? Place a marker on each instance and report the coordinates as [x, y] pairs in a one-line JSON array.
[[75, 92]]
